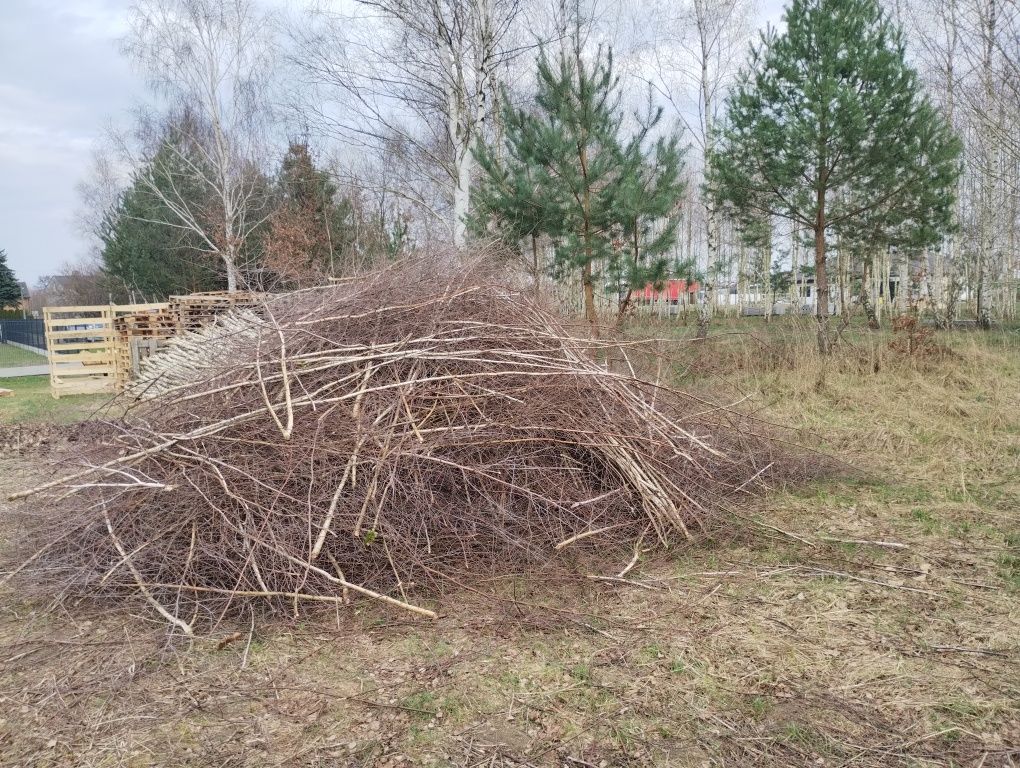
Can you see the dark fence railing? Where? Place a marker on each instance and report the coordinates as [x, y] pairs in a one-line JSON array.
[[31, 333]]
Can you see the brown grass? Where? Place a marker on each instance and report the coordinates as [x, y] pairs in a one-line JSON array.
[[862, 621]]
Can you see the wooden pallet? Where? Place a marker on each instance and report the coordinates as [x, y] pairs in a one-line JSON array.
[[198, 310], [81, 346], [138, 335], [96, 349]]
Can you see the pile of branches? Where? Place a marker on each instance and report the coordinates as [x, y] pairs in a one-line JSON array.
[[383, 438]]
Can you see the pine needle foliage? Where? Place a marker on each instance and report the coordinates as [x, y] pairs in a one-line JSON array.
[[828, 126]]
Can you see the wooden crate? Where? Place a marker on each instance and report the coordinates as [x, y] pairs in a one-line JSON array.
[[81, 347]]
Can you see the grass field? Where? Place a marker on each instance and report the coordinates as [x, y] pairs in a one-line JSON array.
[[15, 357], [868, 619], [32, 403]]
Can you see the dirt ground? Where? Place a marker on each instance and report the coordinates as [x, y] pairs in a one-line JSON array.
[[870, 619]]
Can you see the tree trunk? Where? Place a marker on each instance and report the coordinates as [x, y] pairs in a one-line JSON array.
[[742, 287], [821, 281], [462, 199], [712, 233], [625, 304], [536, 266], [869, 308], [843, 272], [589, 300], [795, 297], [230, 263]]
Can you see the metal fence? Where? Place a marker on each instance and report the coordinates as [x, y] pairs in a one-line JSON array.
[[22, 343]]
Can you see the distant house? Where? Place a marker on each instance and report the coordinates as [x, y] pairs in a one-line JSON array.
[[672, 292]]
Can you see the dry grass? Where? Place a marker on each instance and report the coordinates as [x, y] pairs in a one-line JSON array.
[[785, 641]]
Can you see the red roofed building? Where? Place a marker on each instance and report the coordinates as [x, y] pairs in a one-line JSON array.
[[673, 291]]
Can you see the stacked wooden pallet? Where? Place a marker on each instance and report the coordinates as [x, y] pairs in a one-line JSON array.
[[99, 348], [138, 335], [82, 346], [197, 310]]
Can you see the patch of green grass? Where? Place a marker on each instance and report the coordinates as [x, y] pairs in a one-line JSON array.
[[927, 520], [678, 667], [582, 673], [510, 678], [653, 652], [849, 548], [15, 357], [424, 703], [32, 403], [625, 732], [760, 706], [961, 708], [803, 736], [1009, 569]]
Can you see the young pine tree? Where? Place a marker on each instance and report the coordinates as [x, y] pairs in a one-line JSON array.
[[568, 173], [650, 189], [828, 127], [509, 200]]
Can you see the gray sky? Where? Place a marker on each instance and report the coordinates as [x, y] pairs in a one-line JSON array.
[[62, 79]]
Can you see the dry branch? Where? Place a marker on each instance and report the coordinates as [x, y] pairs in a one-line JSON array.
[[387, 437]]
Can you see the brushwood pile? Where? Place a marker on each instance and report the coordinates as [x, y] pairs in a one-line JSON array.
[[382, 439]]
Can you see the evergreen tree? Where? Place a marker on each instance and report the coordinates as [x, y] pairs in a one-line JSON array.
[[569, 174], [309, 232], [509, 198], [143, 251], [829, 128], [10, 288], [649, 191]]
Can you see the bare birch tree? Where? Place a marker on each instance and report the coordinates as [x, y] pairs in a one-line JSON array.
[[971, 49], [698, 50], [208, 63], [416, 80]]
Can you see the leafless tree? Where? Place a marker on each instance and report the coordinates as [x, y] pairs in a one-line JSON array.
[[209, 63], [969, 50], [416, 81], [697, 49]]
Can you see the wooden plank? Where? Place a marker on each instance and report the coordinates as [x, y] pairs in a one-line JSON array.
[[80, 357], [84, 387], [79, 370], [123, 308], [87, 337], [80, 345], [76, 309], [76, 324]]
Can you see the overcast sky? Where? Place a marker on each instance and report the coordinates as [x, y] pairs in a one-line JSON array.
[[62, 82], [62, 79]]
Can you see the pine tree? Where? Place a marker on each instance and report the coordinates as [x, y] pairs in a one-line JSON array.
[[10, 288], [829, 128], [144, 251], [649, 191], [569, 174], [509, 200]]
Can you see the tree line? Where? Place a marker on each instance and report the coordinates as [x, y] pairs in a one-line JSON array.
[[856, 147]]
